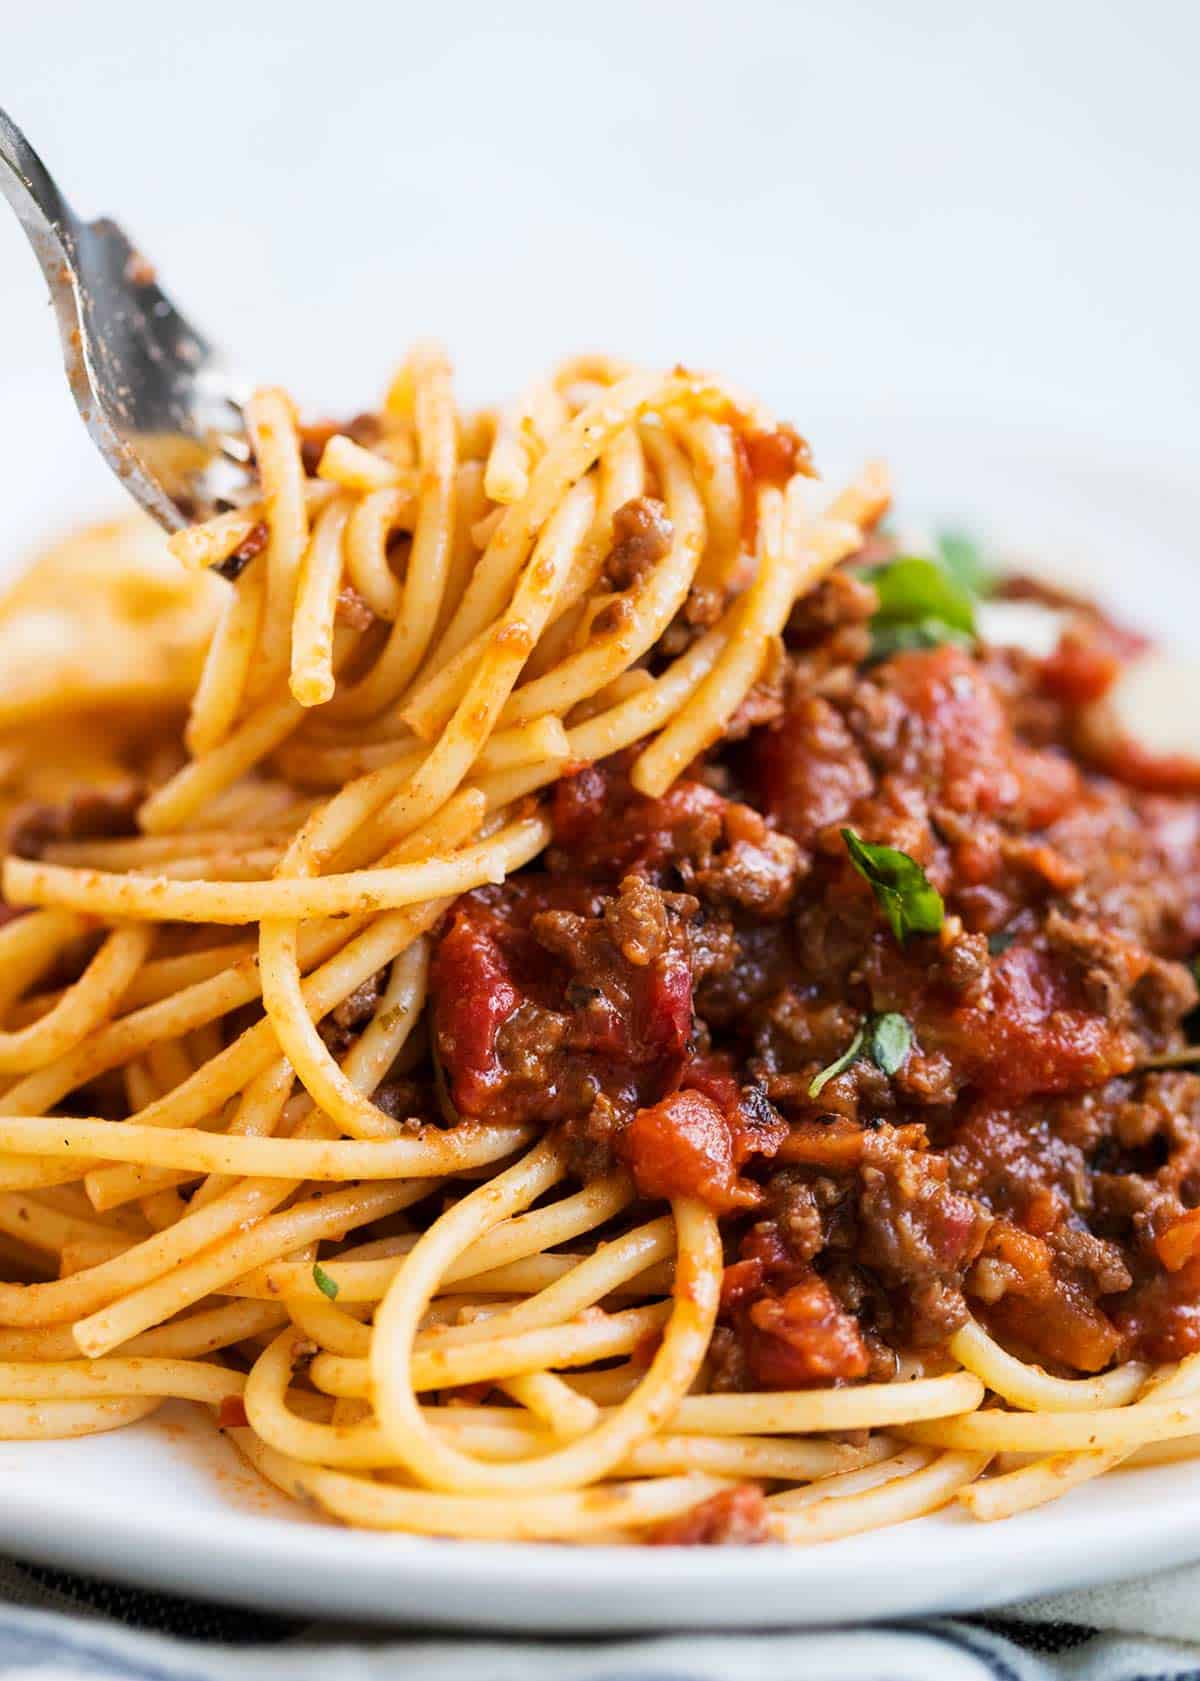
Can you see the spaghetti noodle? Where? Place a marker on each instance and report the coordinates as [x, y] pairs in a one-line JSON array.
[[615, 1016]]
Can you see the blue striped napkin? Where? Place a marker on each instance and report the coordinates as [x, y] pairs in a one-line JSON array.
[[56, 1627]]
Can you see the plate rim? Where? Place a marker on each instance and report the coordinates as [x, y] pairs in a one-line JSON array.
[[948, 1562]]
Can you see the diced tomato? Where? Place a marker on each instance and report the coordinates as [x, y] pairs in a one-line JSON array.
[[1083, 667], [1162, 1316], [967, 743], [526, 1033], [475, 996], [1037, 1036], [809, 772], [231, 1414], [1026, 1254], [683, 1147], [714, 1076], [766, 458], [1065, 1327], [737, 1517], [801, 1338], [1049, 1315], [740, 1283]]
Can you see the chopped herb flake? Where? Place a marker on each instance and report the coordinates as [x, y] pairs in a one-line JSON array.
[[849, 1055], [326, 1285], [902, 890], [1000, 942], [888, 1042]]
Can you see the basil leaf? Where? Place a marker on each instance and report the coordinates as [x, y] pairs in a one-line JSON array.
[[920, 606], [850, 1055], [963, 559], [912, 588], [326, 1285], [889, 1040], [902, 890]]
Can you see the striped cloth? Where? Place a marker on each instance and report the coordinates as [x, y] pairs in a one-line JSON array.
[[56, 1627]]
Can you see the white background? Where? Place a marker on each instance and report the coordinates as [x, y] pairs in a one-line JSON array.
[[938, 208]]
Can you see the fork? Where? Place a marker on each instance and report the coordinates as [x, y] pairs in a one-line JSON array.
[[161, 404]]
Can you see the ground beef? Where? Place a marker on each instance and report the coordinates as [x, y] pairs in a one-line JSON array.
[[406, 1100], [728, 1372], [765, 702], [96, 814], [1097, 1259], [538, 1012], [798, 1213], [253, 543], [809, 769], [801, 1337], [745, 865], [918, 1234], [751, 962], [641, 537], [669, 984], [1129, 988], [843, 598], [342, 1026], [590, 1137], [1012, 1158], [719, 849], [1138, 858], [638, 920], [963, 966]]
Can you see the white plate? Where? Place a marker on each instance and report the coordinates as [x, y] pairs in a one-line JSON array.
[[169, 1504]]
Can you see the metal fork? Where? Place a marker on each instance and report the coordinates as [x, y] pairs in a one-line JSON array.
[[161, 404]]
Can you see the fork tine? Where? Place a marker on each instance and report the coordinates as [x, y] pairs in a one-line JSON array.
[[158, 400]]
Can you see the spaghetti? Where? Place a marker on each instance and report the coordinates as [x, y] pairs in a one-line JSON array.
[[615, 1016]]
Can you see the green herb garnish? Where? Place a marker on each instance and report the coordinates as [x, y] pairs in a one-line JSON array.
[[902, 890], [921, 605], [998, 943], [888, 1041], [326, 1285], [963, 560], [850, 1055]]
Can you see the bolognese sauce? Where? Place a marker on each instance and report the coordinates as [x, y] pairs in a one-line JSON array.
[[667, 986]]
